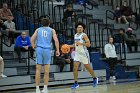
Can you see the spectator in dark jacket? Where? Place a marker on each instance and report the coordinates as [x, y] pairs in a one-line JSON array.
[[120, 42], [69, 14], [118, 14], [126, 12], [131, 40], [62, 59], [23, 44]]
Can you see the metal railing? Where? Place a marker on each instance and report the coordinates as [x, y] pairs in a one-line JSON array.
[[108, 17]]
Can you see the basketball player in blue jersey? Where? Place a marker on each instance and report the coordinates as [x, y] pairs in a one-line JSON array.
[[81, 54], [43, 37]]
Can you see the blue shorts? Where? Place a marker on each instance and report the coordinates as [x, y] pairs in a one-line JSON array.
[[43, 56]]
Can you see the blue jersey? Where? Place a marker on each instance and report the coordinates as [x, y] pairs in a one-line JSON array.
[[44, 37]]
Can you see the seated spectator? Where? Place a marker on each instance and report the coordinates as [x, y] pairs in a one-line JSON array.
[[2, 68], [5, 13], [23, 44], [10, 27], [119, 41], [118, 15], [131, 40], [69, 14], [126, 12], [62, 60]]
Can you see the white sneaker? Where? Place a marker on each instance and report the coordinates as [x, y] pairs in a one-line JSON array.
[[114, 77], [3, 76], [38, 90], [45, 90]]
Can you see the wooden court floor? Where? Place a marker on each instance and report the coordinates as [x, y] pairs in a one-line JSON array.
[[119, 87]]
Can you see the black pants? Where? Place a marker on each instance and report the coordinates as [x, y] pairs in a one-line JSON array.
[[62, 62], [71, 64], [11, 36], [18, 50], [130, 44], [112, 62]]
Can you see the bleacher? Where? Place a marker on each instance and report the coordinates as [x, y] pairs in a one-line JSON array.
[[99, 26]]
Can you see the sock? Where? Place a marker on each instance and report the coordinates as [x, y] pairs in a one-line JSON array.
[[76, 82], [45, 86], [37, 87]]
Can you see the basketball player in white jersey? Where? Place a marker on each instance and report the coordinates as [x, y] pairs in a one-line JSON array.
[[81, 54]]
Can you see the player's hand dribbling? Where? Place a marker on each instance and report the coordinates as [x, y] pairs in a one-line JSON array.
[[57, 53]]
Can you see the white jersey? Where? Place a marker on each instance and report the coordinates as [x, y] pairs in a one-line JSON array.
[[79, 38], [81, 52]]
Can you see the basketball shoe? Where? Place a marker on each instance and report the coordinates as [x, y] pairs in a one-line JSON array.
[[95, 82], [45, 90], [74, 86], [38, 90]]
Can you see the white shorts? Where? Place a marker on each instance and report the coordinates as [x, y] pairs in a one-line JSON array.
[[82, 57]]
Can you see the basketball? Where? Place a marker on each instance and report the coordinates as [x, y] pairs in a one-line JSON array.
[[65, 48]]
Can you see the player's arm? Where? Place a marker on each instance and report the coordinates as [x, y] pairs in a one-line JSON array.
[[33, 38], [56, 42], [87, 41], [72, 45]]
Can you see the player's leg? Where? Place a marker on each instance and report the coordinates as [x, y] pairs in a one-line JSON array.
[[75, 74], [90, 70], [85, 59], [37, 77], [75, 71], [46, 61], [38, 68], [46, 78], [46, 74], [2, 67]]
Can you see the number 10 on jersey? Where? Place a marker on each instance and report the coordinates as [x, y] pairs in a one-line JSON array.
[[44, 33]]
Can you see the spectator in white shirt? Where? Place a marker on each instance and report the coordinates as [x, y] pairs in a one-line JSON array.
[[111, 56], [10, 27]]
